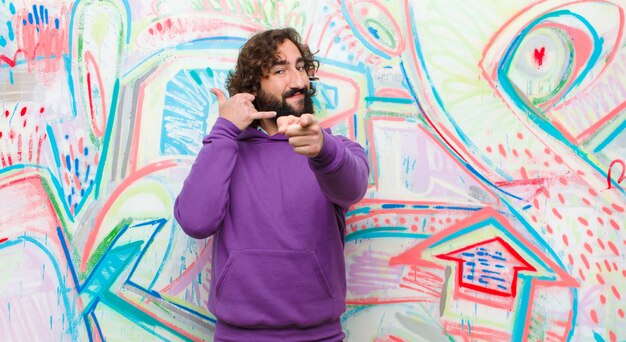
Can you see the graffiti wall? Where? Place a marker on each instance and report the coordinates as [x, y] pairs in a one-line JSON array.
[[494, 131]]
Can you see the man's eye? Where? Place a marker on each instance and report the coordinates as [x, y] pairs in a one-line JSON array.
[[279, 72]]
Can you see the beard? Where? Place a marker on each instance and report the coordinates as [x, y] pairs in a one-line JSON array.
[[266, 102]]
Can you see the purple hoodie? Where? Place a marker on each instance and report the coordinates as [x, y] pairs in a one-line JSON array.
[[279, 220]]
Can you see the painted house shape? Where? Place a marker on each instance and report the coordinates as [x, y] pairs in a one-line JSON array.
[[491, 266], [492, 274]]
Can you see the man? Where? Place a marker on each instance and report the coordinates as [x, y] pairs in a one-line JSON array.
[[273, 188]]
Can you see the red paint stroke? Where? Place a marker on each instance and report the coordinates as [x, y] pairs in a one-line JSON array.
[[11, 62], [539, 55], [476, 333], [155, 316], [3, 240], [608, 59], [98, 125], [413, 50], [622, 175], [596, 126], [414, 256], [518, 264], [179, 284]]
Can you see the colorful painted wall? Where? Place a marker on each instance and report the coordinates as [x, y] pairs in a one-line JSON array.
[[494, 130]]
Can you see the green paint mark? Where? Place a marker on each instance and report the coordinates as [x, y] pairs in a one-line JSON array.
[[104, 245], [55, 204], [382, 34]]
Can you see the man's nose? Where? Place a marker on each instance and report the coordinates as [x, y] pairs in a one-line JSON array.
[[297, 80]]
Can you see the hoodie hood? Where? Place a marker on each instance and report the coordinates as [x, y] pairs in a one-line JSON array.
[[254, 135]]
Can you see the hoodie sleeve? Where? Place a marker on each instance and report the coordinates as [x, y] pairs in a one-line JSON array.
[[341, 169], [202, 203]]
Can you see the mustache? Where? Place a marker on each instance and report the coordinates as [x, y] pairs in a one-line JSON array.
[[294, 91]]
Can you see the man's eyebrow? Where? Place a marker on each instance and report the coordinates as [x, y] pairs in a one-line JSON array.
[[279, 62], [284, 62]]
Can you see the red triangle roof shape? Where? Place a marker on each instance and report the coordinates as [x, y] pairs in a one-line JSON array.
[[413, 256]]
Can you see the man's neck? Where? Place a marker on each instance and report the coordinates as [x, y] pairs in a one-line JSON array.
[[269, 126]]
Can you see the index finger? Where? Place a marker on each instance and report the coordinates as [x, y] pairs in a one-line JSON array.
[[263, 115], [307, 120], [245, 96], [285, 121]]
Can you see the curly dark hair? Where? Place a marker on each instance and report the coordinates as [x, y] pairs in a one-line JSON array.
[[253, 62]]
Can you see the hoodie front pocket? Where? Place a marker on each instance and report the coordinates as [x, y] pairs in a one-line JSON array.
[[274, 288]]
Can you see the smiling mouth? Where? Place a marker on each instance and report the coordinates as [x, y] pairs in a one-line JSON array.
[[294, 92], [296, 96]]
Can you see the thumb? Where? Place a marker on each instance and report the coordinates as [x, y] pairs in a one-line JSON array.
[[221, 97]]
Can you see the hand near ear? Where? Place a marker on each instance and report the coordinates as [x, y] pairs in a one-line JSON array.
[[239, 109]]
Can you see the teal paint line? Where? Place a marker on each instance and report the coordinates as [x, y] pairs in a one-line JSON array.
[[109, 268], [70, 81], [492, 221], [13, 112], [364, 210], [14, 167], [88, 189], [359, 68], [598, 337], [128, 20], [212, 43], [517, 334], [507, 60], [543, 244], [107, 138], [179, 306], [70, 38], [531, 113], [355, 130], [159, 225], [103, 257], [453, 153], [138, 317], [63, 290], [384, 232], [353, 311], [70, 263], [62, 198], [393, 206], [95, 322], [370, 99], [166, 257], [11, 35], [611, 137], [418, 51]]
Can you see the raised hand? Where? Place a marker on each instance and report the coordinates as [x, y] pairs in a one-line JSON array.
[[304, 133], [239, 109]]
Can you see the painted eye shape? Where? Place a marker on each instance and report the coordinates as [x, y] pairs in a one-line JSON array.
[[548, 61], [557, 64], [375, 27]]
